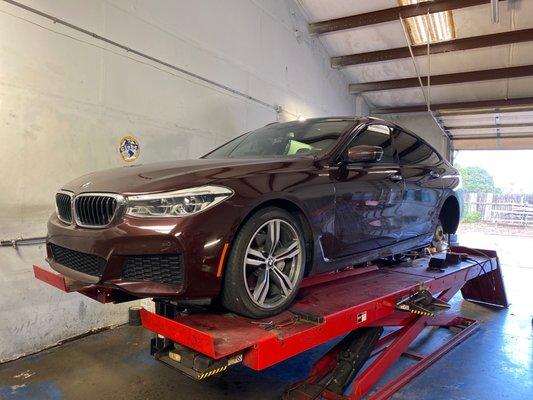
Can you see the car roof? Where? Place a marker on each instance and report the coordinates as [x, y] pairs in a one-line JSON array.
[[356, 118]]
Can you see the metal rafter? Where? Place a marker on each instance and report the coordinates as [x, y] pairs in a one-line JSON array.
[[496, 39], [445, 79], [466, 105], [391, 14]]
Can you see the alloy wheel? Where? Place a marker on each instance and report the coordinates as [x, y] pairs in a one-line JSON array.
[[272, 263]]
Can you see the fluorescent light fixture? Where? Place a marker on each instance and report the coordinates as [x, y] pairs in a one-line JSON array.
[[436, 27]]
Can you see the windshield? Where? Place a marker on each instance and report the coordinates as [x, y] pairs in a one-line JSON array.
[[284, 140]]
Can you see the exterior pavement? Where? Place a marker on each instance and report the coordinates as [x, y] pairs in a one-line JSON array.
[[496, 363]]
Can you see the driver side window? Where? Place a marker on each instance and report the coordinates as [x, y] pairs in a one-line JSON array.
[[376, 135]]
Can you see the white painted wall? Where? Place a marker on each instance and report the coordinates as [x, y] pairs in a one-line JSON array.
[[67, 99]]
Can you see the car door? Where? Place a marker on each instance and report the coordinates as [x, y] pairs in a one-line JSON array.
[[367, 195], [421, 169]]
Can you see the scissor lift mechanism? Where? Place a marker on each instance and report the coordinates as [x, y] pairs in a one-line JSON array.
[[360, 303]]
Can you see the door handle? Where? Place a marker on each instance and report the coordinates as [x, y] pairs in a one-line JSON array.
[[434, 175], [395, 177]]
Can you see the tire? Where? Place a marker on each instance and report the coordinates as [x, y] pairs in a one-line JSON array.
[[255, 288]]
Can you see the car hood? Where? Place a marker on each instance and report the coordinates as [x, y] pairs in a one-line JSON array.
[[167, 176]]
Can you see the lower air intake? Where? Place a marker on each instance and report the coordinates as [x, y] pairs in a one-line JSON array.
[[160, 268], [82, 262]]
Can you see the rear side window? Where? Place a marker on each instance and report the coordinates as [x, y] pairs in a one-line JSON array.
[[376, 135], [412, 150]]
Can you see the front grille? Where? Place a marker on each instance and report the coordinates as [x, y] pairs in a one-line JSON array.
[[95, 210], [82, 262], [64, 207], [161, 268]]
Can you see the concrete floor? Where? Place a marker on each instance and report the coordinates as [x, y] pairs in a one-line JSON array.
[[496, 363]]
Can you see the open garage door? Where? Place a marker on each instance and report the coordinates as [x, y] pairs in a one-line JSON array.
[[489, 129]]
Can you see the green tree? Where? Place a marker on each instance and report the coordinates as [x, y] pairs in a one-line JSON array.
[[476, 179]]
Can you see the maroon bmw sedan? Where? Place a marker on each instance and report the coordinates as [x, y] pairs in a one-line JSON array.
[[245, 223]]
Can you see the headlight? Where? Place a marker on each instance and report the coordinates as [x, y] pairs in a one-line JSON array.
[[178, 203]]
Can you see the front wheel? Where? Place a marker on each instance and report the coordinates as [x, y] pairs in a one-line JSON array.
[[266, 264]]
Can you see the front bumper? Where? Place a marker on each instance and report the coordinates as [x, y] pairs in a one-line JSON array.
[[199, 240]]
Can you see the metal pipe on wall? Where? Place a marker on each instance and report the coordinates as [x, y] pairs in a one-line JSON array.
[[277, 108], [23, 241]]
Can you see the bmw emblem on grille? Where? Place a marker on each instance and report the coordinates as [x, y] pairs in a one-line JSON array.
[[86, 184]]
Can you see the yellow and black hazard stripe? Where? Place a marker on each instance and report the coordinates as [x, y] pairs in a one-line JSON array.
[[420, 312], [215, 371]]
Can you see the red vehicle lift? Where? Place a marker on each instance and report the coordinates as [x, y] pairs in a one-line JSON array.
[[360, 303]]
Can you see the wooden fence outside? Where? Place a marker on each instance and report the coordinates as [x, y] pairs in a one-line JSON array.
[[505, 209]]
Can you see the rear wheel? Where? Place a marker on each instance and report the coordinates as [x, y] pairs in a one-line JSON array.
[[266, 264]]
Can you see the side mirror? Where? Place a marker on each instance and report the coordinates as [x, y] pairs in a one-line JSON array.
[[365, 153]]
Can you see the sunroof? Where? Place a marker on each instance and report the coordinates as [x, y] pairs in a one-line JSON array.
[[436, 27]]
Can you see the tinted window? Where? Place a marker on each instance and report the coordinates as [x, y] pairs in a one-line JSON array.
[[376, 135], [412, 150], [284, 139]]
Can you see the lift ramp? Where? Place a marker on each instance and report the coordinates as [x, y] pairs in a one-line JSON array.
[[324, 311]]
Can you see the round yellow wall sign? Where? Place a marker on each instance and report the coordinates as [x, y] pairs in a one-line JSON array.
[[129, 148]]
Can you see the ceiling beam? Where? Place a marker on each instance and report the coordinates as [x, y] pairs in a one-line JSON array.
[[446, 79], [390, 14], [475, 42], [492, 126], [466, 105]]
